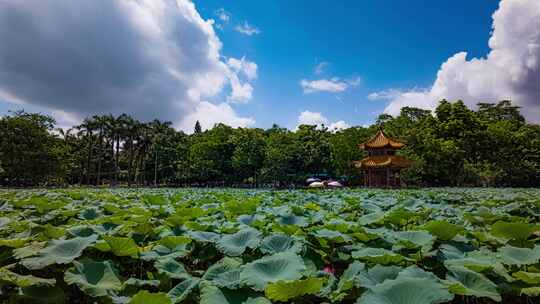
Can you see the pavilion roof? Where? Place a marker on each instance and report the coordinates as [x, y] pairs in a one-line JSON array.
[[380, 161], [380, 140]]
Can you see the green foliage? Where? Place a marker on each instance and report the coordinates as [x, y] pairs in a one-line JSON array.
[[273, 268], [515, 231], [453, 146], [286, 290], [144, 297], [94, 278], [293, 246]]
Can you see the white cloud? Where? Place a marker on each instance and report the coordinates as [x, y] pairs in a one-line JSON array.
[[312, 118], [511, 70], [333, 85], [223, 15], [385, 94], [321, 67], [240, 92], [248, 68], [149, 58], [319, 120], [247, 29], [209, 114], [339, 125]]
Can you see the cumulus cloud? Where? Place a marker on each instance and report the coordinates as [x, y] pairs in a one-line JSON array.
[[339, 125], [319, 120], [511, 70], [150, 58], [241, 92], [248, 68], [247, 29], [332, 85], [209, 114]]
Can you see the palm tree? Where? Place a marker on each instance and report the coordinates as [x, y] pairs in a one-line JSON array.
[[159, 131], [86, 129]]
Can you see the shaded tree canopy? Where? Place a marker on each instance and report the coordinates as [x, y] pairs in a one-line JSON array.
[[451, 146]]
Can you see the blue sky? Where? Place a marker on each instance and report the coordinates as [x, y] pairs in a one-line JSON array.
[[256, 63], [388, 44]]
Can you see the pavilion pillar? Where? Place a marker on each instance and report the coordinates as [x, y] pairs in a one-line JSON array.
[[387, 177]]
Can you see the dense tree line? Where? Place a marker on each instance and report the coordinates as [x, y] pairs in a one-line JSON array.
[[454, 145]]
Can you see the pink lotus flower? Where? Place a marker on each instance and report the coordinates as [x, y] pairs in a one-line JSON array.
[[329, 269]]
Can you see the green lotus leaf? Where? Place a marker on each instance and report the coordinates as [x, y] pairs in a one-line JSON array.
[[527, 277], [480, 262], [531, 291], [204, 236], [248, 219], [347, 280], [225, 273], [414, 239], [286, 290], [451, 252], [333, 235], [89, 214], [146, 297], [235, 244], [122, 246], [515, 231], [291, 219], [182, 290], [406, 290], [161, 252], [273, 268], [171, 269], [400, 217], [28, 251], [279, 242], [4, 221], [140, 283], [93, 278], [155, 199], [59, 252], [42, 294], [518, 256], [14, 243], [371, 218], [172, 241], [469, 283], [82, 231], [211, 294], [443, 230], [7, 276], [376, 275], [51, 232], [378, 256]]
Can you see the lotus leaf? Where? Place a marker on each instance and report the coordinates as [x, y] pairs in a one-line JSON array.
[[273, 268], [286, 290], [94, 278], [236, 244], [59, 252]]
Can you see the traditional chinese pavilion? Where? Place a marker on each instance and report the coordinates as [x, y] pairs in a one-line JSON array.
[[382, 167]]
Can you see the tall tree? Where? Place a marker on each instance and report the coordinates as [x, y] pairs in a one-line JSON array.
[[197, 129]]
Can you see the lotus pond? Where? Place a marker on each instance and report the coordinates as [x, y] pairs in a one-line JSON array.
[[260, 246]]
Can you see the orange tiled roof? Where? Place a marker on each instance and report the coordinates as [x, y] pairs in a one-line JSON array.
[[383, 161], [380, 140]]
